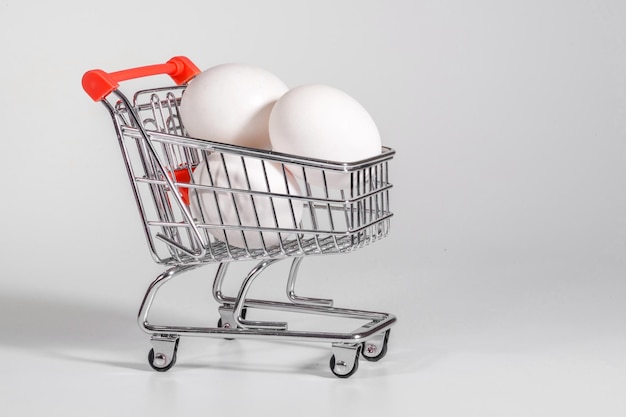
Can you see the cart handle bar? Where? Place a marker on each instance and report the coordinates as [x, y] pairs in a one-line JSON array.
[[98, 84]]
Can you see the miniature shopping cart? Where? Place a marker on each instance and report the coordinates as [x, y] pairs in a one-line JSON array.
[[161, 160]]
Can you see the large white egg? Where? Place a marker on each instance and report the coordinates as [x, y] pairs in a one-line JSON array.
[[231, 103], [323, 122], [232, 208]]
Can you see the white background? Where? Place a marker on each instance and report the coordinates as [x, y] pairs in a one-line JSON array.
[[505, 264]]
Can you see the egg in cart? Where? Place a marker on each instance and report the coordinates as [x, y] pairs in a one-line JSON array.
[[204, 202]]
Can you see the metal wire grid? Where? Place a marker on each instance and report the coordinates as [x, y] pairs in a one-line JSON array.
[[160, 159]]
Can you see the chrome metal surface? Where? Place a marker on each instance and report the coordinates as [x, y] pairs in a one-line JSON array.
[[160, 159], [345, 359], [163, 353], [291, 288]]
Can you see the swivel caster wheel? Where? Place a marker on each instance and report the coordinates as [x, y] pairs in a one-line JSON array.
[[226, 324], [345, 361], [163, 355], [220, 322], [375, 348]]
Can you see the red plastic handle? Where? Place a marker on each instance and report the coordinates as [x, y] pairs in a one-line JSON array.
[[99, 84]]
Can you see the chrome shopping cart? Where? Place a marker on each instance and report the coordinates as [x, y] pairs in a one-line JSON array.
[[188, 222]]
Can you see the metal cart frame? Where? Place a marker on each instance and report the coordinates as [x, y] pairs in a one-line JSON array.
[[160, 160]]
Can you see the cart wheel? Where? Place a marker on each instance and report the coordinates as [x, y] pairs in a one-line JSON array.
[[161, 362], [374, 352], [244, 312], [342, 369]]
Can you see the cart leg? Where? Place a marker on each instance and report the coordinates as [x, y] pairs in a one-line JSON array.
[[241, 299], [233, 310], [291, 285], [144, 310], [218, 282], [162, 356]]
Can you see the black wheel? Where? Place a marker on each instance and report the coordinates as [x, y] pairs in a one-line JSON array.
[[347, 373], [155, 364], [372, 353]]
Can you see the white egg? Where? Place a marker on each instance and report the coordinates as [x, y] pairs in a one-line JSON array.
[[323, 122], [231, 103], [228, 208]]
